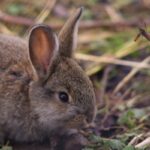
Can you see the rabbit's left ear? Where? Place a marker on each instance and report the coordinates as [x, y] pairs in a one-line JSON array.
[[68, 34], [43, 47]]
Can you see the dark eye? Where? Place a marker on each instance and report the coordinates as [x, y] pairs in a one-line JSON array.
[[63, 97]]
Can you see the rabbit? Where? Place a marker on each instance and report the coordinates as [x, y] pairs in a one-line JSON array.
[[43, 90]]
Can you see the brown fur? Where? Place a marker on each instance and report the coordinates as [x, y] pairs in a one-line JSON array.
[[30, 82]]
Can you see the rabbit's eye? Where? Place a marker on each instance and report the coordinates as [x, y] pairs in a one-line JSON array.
[[63, 97]]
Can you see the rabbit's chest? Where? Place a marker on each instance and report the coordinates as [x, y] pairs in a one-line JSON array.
[[21, 131]]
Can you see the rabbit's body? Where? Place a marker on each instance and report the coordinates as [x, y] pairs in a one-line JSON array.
[[43, 91], [19, 122]]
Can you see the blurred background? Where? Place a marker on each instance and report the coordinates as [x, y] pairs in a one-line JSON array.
[[113, 49]]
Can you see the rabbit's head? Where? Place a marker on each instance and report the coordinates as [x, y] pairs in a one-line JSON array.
[[62, 95]]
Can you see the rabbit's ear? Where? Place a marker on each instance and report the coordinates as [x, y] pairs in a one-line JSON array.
[[68, 34], [43, 46]]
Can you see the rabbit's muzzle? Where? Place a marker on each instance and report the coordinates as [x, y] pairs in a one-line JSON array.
[[76, 122]]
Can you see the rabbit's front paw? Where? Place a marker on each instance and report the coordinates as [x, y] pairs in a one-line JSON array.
[[73, 141]]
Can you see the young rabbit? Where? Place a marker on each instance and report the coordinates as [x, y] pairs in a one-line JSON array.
[[43, 90]]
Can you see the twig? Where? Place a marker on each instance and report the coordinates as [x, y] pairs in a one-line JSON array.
[[114, 15], [130, 75], [144, 143], [111, 60], [132, 101], [125, 94], [46, 11], [135, 139], [143, 33], [43, 15], [84, 24], [15, 19], [104, 82]]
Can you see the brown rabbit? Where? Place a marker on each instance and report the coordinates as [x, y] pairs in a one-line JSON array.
[[43, 90]]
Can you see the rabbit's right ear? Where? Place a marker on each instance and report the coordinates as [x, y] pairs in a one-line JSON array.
[[68, 34], [43, 46]]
